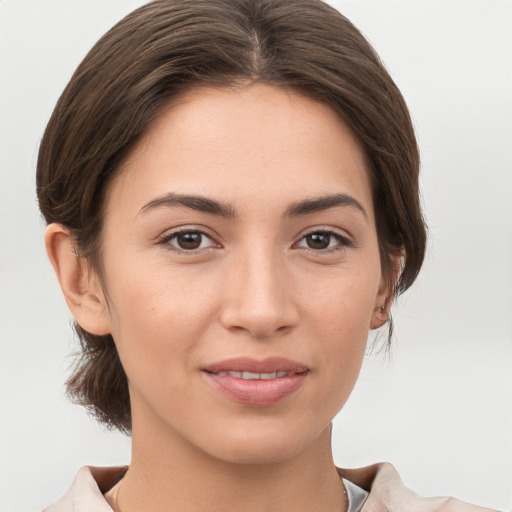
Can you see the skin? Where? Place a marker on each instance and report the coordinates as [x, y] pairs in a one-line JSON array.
[[263, 281]]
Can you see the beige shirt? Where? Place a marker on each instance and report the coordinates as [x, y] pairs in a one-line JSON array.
[[94, 490], [86, 494]]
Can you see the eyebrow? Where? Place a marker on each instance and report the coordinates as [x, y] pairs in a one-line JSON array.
[[205, 205], [201, 204], [319, 204]]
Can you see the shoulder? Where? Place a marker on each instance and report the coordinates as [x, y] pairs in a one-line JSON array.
[[388, 493], [86, 492]]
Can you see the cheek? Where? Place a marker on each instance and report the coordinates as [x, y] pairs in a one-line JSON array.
[[344, 302], [157, 316], [341, 312]]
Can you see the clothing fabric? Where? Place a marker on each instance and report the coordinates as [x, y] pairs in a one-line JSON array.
[[356, 496], [87, 493]]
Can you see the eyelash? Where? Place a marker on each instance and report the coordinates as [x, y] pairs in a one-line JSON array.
[[343, 241], [166, 239]]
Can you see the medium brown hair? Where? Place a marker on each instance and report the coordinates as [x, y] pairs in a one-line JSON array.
[[169, 46]]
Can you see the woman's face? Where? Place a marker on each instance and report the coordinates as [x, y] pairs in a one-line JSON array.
[[242, 273]]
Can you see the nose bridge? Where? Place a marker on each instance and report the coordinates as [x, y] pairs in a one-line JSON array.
[[259, 299]]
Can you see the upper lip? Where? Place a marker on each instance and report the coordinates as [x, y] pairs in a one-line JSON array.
[[248, 364]]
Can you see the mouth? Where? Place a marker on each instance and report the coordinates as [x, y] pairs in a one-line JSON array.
[[257, 383], [248, 367], [257, 376]]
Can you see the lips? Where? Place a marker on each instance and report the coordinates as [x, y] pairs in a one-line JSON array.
[[256, 376], [258, 383]]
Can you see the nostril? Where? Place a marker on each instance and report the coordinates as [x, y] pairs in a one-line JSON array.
[[259, 300], [258, 327]]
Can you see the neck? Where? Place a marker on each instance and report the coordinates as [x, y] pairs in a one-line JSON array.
[[166, 473]]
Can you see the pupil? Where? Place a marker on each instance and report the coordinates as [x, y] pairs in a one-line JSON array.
[[189, 240], [318, 240]]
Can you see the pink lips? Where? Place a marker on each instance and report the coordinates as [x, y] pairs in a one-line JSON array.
[[252, 382]]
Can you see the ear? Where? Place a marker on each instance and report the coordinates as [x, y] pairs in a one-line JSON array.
[[79, 283], [385, 295]]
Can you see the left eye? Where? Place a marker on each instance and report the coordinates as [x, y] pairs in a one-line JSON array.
[[322, 240], [190, 240]]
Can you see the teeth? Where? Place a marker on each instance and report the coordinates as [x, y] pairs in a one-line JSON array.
[[251, 376], [231, 374], [255, 376]]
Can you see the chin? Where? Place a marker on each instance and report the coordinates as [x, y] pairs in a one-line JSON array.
[[263, 446], [261, 454]]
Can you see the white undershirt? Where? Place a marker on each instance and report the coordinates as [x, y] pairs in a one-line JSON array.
[[355, 496]]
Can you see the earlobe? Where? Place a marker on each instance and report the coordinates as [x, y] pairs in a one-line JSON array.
[[385, 295], [380, 317], [79, 283]]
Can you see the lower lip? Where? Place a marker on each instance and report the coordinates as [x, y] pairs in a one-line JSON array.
[[258, 391]]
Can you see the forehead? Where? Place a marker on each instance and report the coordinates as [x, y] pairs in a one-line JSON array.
[[236, 144]]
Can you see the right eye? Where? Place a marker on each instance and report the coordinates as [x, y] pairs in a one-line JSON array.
[[189, 241]]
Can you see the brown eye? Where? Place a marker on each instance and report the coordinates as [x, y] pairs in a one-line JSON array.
[[189, 241], [318, 241], [324, 241]]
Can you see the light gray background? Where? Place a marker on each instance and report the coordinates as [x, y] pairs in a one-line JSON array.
[[440, 407]]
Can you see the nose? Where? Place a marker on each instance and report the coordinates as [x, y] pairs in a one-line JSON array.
[[259, 299]]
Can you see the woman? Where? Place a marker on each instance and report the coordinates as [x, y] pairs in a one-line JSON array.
[[232, 204]]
